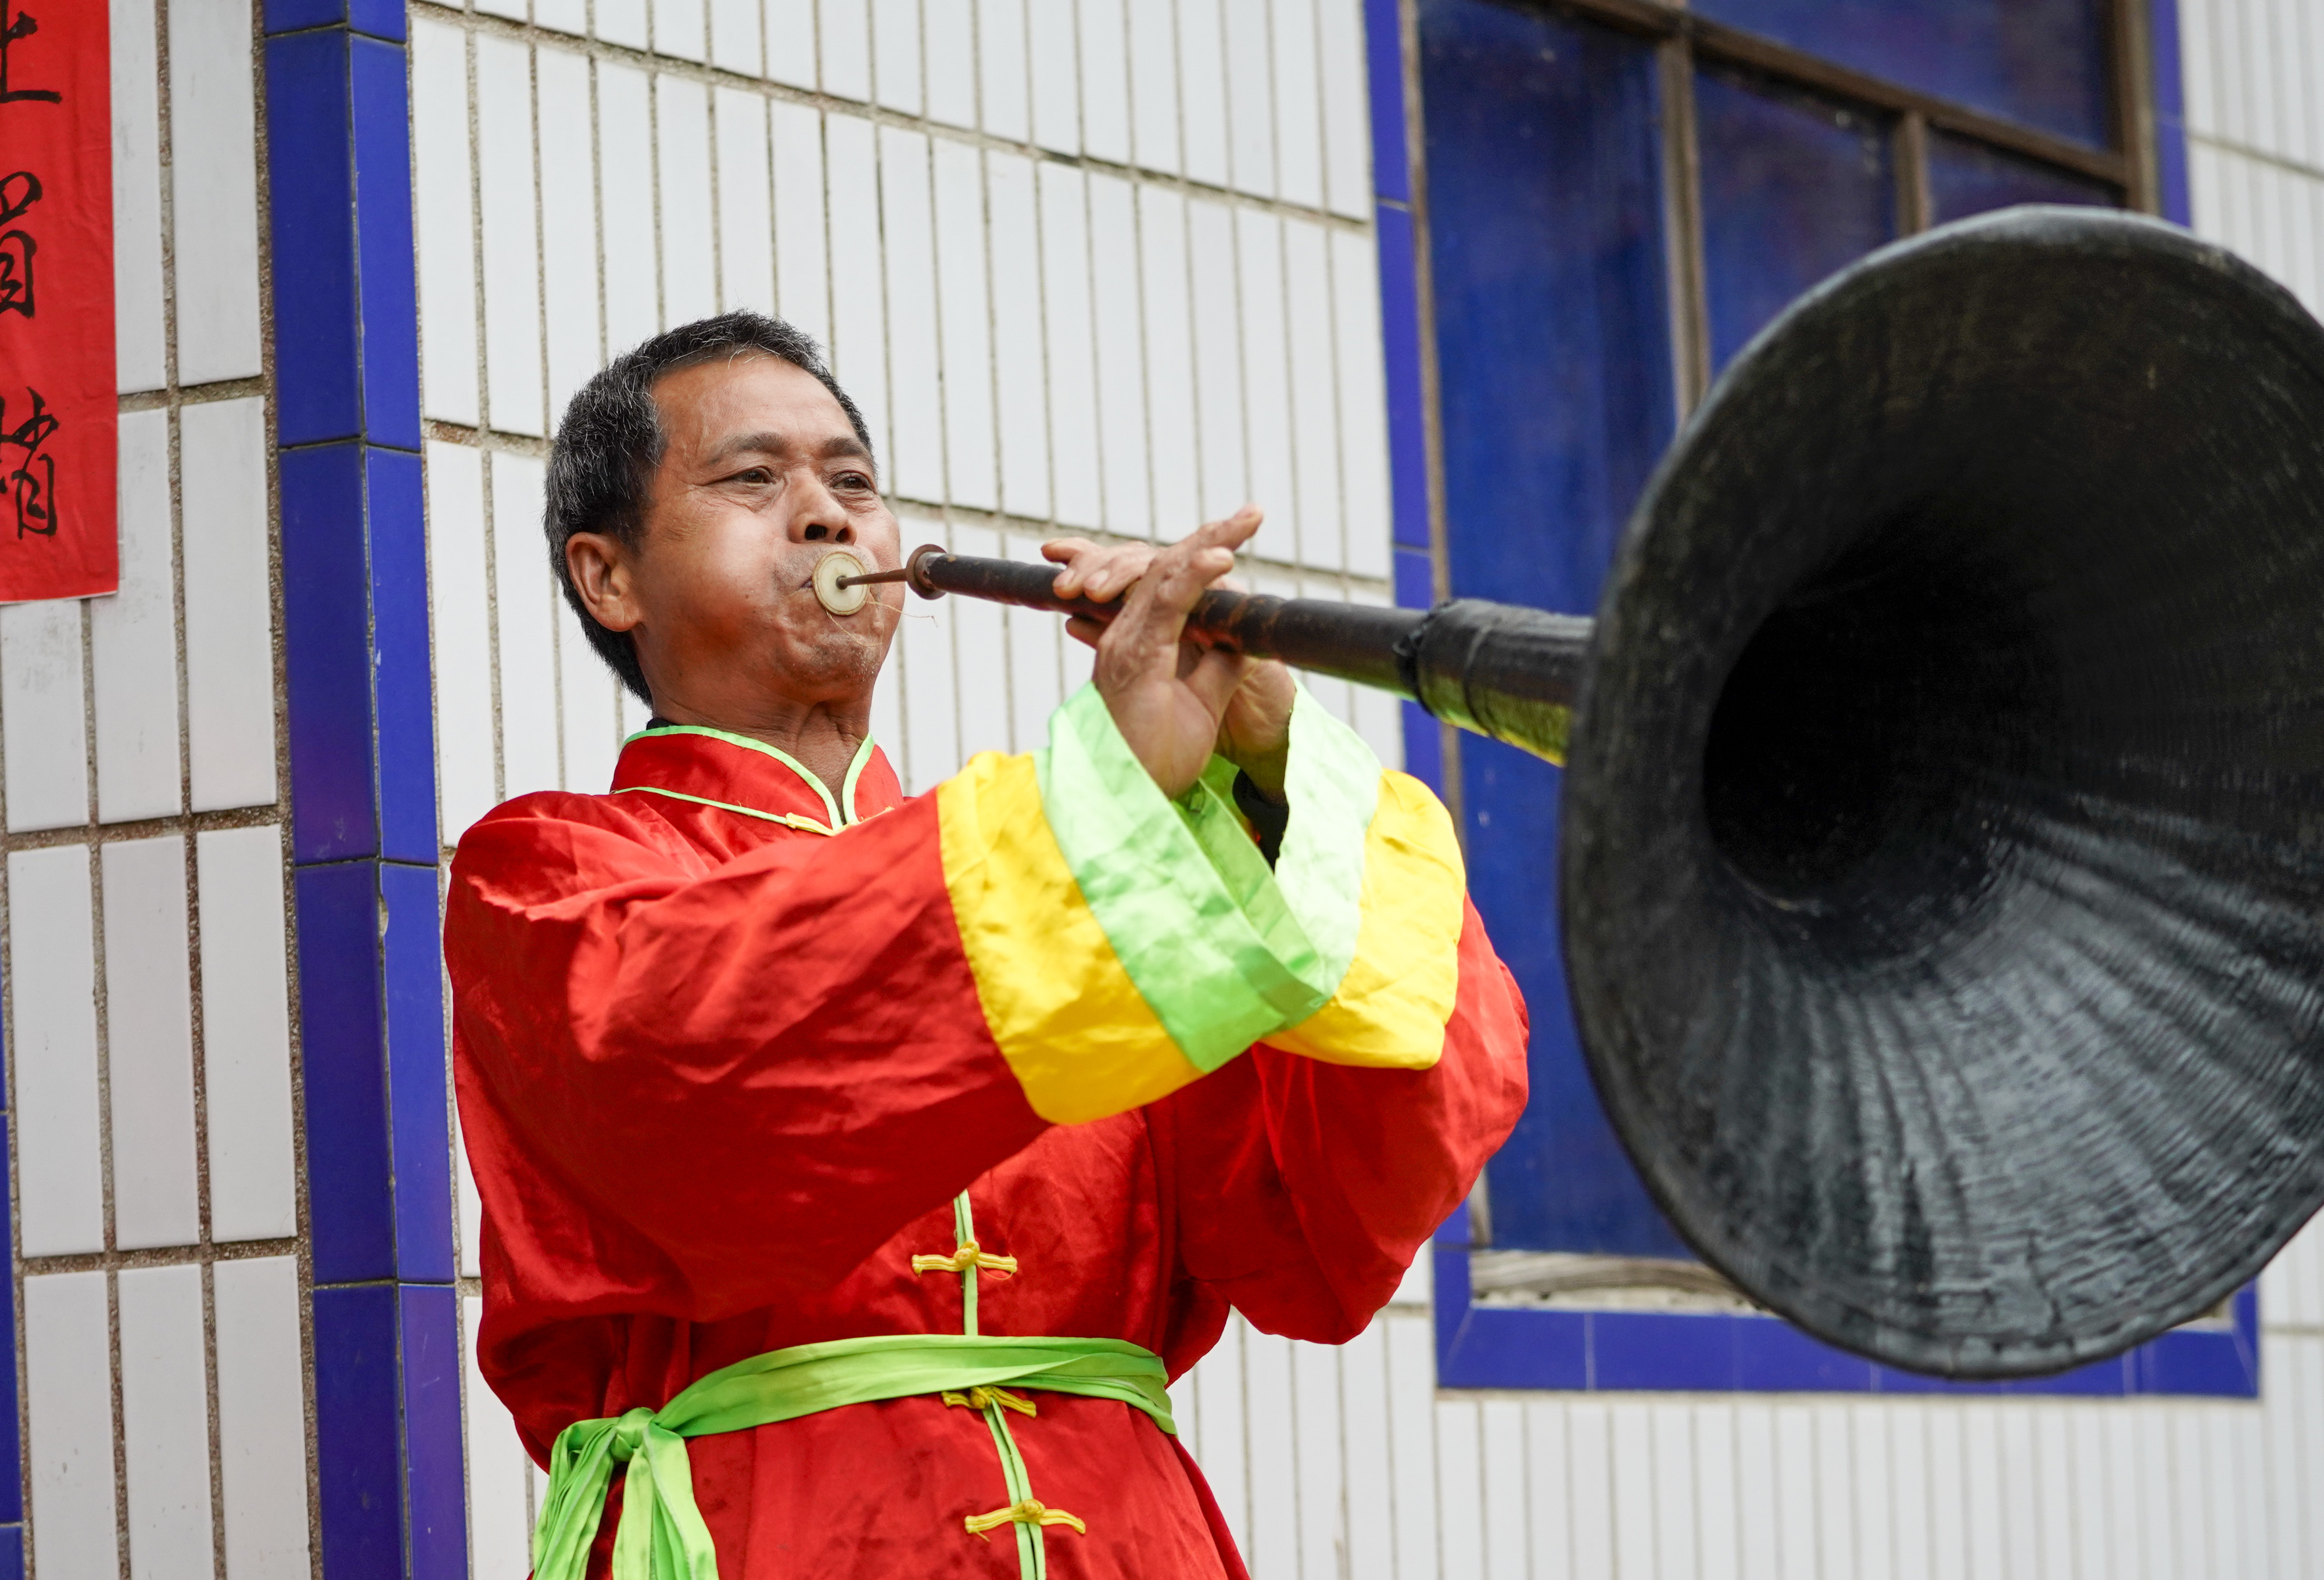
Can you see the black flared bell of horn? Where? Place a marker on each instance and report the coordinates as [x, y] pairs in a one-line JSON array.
[[1943, 852]]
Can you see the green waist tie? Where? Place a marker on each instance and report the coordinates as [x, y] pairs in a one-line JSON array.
[[661, 1535]]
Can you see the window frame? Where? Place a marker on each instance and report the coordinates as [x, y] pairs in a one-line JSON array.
[[1511, 1347]]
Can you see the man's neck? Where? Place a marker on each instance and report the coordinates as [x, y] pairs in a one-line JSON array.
[[821, 738]]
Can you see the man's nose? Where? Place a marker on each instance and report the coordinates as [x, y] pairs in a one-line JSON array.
[[818, 515]]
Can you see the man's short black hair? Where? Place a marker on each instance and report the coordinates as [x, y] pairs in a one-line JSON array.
[[602, 463]]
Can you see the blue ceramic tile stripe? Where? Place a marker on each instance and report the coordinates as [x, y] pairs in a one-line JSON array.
[[1653, 1352], [2170, 110], [363, 792], [1400, 299]]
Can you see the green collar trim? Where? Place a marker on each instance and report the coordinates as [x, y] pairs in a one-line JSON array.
[[839, 819]]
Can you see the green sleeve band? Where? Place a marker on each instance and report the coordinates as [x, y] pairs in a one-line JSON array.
[[1224, 951]]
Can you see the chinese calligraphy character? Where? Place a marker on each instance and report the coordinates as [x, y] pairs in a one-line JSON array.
[[18, 192], [31, 486], [22, 25]]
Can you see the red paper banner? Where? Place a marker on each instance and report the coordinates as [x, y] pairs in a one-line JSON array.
[[58, 415]]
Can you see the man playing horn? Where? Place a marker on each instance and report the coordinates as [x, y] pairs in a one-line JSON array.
[[858, 1171]]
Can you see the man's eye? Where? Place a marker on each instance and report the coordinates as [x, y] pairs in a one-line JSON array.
[[756, 475], [853, 480]]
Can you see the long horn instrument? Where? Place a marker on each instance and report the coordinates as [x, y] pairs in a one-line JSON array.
[[1494, 668], [1941, 835]]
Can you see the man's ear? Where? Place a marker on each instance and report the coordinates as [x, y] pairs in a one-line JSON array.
[[599, 568]]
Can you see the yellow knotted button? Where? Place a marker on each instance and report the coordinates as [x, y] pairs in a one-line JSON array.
[[978, 1398], [1029, 1511], [969, 1255]]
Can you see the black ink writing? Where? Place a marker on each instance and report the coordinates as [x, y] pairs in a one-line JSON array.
[[20, 26], [27, 472]]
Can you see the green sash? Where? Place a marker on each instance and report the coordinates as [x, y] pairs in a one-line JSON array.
[[661, 1535]]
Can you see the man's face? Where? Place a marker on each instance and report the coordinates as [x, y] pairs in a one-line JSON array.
[[762, 475]]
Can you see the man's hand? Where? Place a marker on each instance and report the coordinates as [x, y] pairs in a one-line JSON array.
[[1176, 701]]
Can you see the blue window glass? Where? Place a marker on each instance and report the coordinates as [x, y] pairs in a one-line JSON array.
[[1967, 178], [1794, 187], [2039, 62], [1553, 343]]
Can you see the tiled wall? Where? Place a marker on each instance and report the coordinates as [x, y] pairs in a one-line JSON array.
[[152, 1085], [1093, 264]]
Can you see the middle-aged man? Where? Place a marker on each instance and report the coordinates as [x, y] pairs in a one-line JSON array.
[[857, 1169]]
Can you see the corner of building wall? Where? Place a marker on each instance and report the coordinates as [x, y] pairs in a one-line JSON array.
[[363, 842]]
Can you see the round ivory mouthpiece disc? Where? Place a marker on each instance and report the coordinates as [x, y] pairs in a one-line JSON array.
[[833, 597]]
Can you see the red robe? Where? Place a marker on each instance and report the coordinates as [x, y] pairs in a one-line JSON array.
[[720, 1077]]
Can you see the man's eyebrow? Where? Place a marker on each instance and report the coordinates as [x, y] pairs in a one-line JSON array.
[[840, 445], [742, 444]]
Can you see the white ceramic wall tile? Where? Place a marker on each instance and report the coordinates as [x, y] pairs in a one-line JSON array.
[[1347, 107], [444, 215], [69, 1406], [461, 621], [165, 1424], [569, 225], [844, 30], [802, 261], [746, 256], [966, 313], [1019, 379], [60, 1183], [1460, 1475], [625, 174], [513, 10], [979, 656], [1103, 35], [591, 733], [622, 22], [689, 256], [734, 41], [149, 1040], [1272, 1546], [1218, 358], [526, 620], [213, 191], [511, 253], [1250, 97], [262, 1414], [1003, 63], [896, 54], [790, 41], [1203, 90], [859, 338], [930, 701], [229, 605], [133, 639], [947, 49], [678, 29], [1298, 103], [1363, 406], [1162, 234], [139, 350], [1153, 51], [915, 465], [43, 739], [500, 1524], [1266, 384], [1121, 370], [245, 1032], [1314, 398], [1053, 57], [1412, 1437], [1072, 345]]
